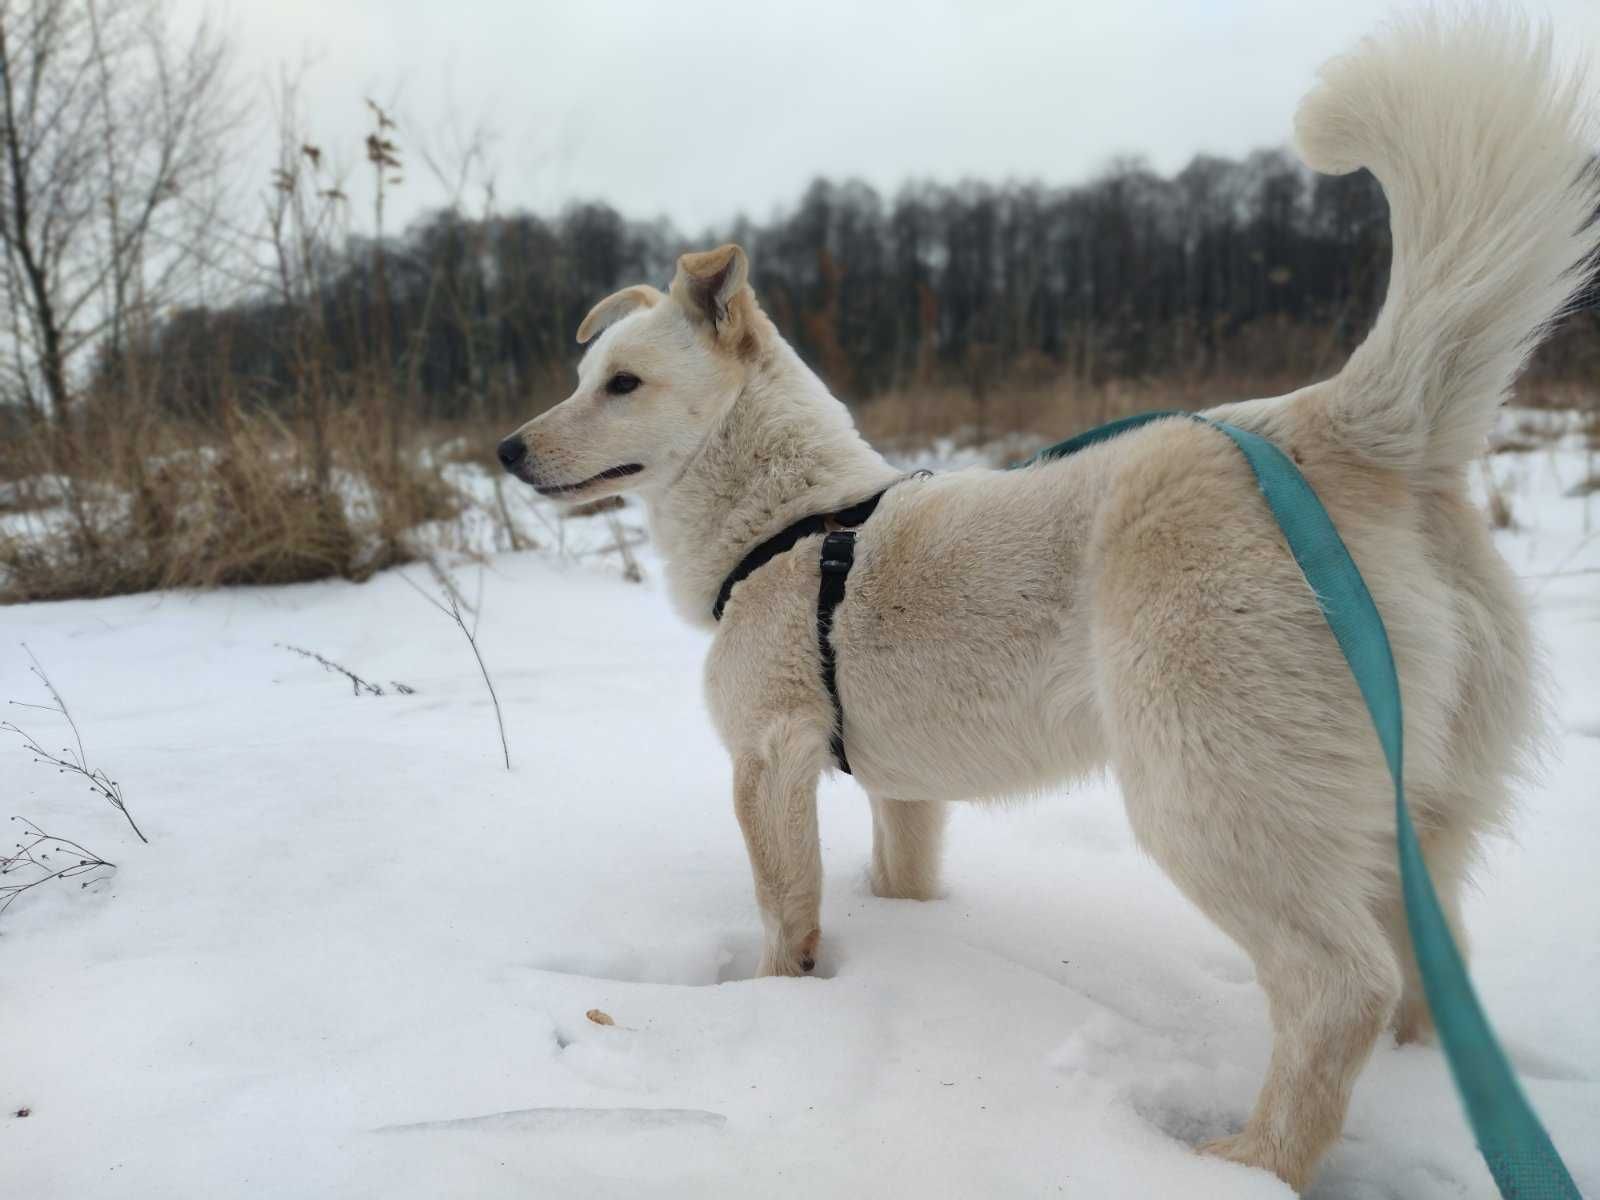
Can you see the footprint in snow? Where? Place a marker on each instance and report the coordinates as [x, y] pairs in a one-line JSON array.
[[704, 962]]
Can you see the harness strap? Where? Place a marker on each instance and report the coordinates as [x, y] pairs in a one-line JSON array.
[[838, 556], [785, 540]]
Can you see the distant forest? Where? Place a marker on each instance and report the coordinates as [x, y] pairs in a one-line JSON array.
[[1246, 269]]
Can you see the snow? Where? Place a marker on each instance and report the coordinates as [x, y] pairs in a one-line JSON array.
[[356, 957]]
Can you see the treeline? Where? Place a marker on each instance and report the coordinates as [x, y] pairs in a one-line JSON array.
[[1249, 269]]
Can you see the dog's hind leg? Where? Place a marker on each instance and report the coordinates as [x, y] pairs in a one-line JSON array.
[[1495, 716], [1329, 1000], [1446, 853], [1250, 772], [907, 840], [775, 797], [1321, 955], [1296, 892]]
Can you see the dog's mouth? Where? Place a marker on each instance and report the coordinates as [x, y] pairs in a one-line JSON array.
[[572, 489]]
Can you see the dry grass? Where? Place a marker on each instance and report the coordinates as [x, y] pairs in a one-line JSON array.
[[129, 505], [1054, 406], [1050, 407], [174, 505]]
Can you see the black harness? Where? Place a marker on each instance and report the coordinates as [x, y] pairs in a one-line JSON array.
[[838, 556]]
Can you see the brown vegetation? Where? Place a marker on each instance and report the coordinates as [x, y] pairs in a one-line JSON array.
[[178, 505]]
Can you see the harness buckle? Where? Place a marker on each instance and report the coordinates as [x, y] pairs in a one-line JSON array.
[[839, 552]]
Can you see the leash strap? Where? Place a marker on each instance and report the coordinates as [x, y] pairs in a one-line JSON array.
[[1519, 1153]]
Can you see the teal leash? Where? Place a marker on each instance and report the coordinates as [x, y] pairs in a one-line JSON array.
[[1519, 1153]]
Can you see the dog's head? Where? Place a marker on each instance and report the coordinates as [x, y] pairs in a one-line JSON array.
[[661, 371]]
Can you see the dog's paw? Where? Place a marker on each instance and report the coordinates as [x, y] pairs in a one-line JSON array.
[[1248, 1150], [912, 888], [1413, 1020], [791, 958], [1231, 1148]]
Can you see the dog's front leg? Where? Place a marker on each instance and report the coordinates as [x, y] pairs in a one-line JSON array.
[[775, 796], [907, 837]]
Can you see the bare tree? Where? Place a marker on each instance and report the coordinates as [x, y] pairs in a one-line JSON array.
[[113, 131]]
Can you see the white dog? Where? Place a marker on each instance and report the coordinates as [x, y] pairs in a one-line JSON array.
[[1136, 605]]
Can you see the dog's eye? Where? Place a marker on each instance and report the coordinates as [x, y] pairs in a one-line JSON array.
[[622, 383]]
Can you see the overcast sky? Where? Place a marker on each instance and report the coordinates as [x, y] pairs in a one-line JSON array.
[[698, 111]]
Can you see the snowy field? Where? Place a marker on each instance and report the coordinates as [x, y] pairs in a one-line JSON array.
[[356, 957]]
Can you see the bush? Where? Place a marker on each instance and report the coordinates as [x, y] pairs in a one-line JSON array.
[[181, 506]]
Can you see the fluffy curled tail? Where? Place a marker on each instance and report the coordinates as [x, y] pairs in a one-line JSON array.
[[1486, 152]]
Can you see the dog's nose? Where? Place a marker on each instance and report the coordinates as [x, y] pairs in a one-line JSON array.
[[511, 452]]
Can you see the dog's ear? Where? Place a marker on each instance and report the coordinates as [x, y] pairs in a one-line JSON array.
[[616, 306], [708, 284]]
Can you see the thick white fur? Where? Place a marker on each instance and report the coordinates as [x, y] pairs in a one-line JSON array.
[[1488, 163], [1136, 605]]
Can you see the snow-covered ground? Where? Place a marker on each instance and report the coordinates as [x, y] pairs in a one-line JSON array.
[[356, 957]]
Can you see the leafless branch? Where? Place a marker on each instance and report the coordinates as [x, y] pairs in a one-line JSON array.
[[1561, 567], [69, 761], [451, 607], [630, 565], [358, 685], [40, 858]]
